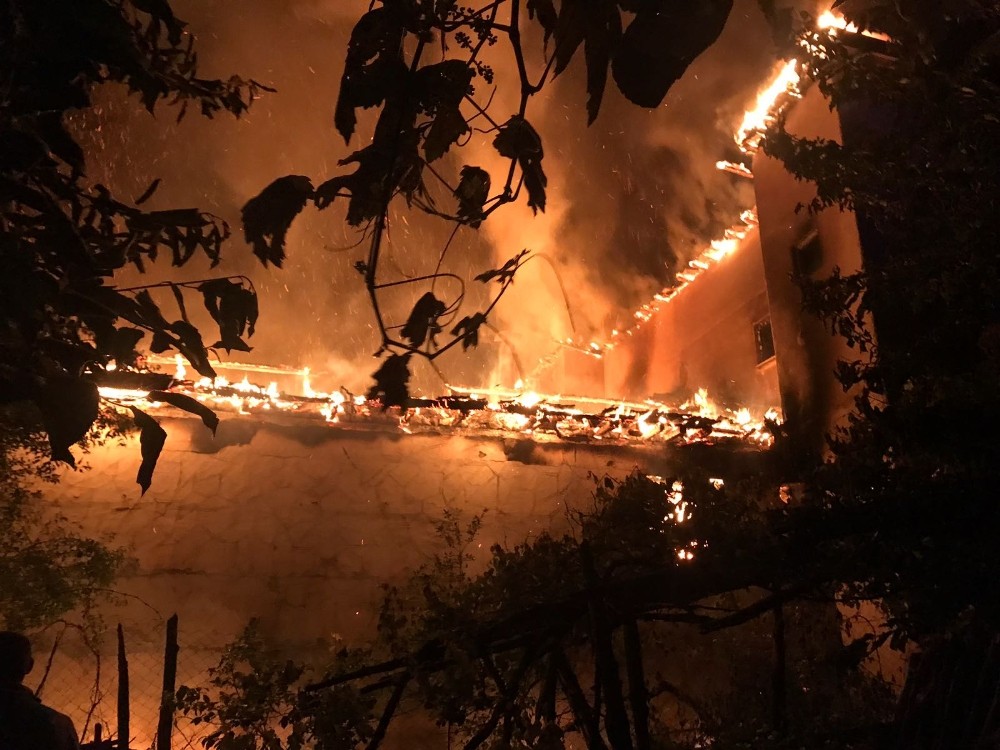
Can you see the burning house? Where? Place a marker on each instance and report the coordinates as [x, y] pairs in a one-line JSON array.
[[305, 501], [734, 324]]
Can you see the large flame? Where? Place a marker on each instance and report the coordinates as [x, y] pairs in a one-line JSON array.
[[756, 120]]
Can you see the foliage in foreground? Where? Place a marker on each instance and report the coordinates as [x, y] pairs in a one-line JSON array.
[[602, 633], [919, 166], [253, 701], [63, 323], [47, 569]]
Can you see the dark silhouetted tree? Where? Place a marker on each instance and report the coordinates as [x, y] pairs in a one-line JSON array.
[[63, 322]]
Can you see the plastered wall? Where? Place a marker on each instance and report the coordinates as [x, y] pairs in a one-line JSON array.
[[297, 524]]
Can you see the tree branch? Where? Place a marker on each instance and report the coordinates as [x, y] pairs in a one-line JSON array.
[[389, 711]]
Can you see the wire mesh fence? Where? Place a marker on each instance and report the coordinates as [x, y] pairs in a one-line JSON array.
[[77, 673]]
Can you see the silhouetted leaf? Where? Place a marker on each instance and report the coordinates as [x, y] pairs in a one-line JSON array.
[[504, 274], [179, 297], [545, 11], [232, 342], [391, 382], [188, 404], [49, 127], [855, 652], [447, 129], [389, 164], [121, 345], [517, 139], [472, 192], [98, 300], [189, 343], [422, 322], [212, 290], [442, 85], [597, 25], [440, 89], [373, 66], [267, 217], [162, 341], [468, 329], [151, 440], [69, 407], [162, 13], [149, 311], [234, 308], [661, 42]]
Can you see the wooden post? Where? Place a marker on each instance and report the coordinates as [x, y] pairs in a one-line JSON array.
[[98, 733], [123, 707], [166, 723]]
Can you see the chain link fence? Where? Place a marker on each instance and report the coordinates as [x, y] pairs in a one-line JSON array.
[[78, 674]]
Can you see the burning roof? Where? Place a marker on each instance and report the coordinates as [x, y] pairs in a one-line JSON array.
[[501, 412]]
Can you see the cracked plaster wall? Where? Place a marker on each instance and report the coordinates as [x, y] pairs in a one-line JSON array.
[[299, 525]]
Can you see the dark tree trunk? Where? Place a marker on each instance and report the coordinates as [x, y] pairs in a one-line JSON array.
[[616, 720], [586, 720], [545, 708], [638, 696], [164, 728], [123, 698], [389, 712]]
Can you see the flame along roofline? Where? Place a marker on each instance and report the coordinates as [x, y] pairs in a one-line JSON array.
[[506, 412], [717, 251], [785, 86]]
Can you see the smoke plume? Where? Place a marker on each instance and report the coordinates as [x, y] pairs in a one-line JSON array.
[[630, 198]]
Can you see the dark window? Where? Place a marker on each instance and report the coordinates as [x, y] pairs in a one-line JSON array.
[[807, 256], [764, 340]]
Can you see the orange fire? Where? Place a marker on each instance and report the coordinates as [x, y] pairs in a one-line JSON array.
[[717, 251], [783, 87], [832, 23]]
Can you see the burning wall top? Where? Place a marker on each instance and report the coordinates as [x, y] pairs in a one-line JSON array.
[[463, 410]]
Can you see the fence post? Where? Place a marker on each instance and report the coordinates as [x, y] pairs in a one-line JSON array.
[[123, 707], [166, 724]]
